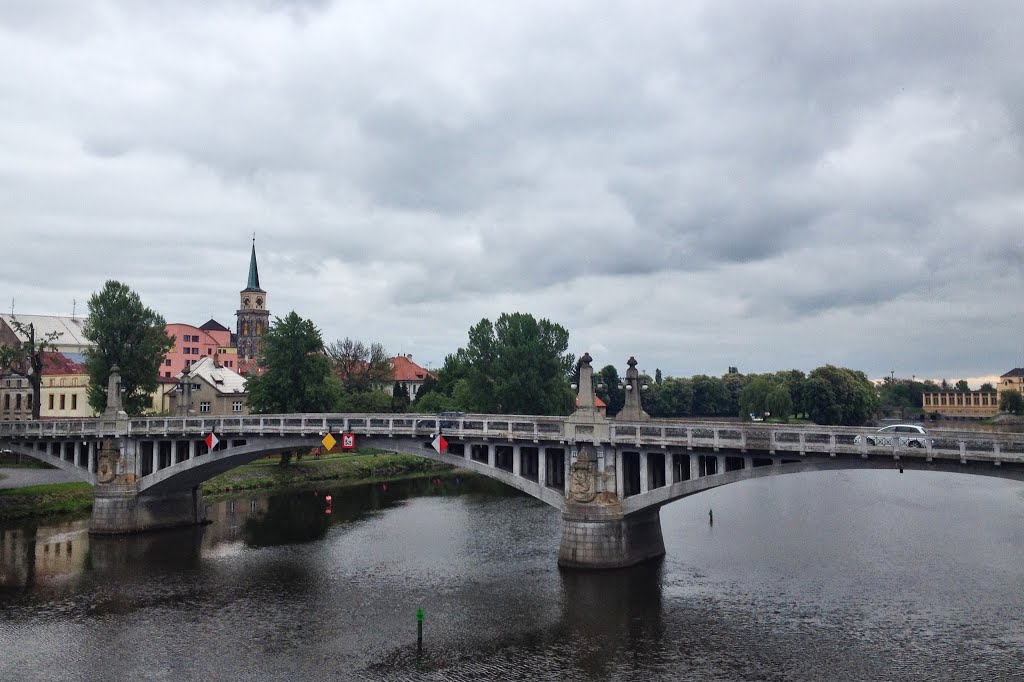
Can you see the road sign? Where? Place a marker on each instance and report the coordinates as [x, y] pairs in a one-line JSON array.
[[348, 441], [440, 444], [211, 440], [329, 442]]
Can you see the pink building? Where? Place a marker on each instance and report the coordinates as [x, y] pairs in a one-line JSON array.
[[191, 344]]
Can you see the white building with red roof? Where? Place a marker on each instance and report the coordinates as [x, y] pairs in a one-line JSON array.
[[408, 374]]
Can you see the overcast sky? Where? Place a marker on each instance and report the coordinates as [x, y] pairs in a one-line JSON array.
[[768, 185]]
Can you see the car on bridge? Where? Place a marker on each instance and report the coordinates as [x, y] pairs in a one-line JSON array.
[[907, 435]]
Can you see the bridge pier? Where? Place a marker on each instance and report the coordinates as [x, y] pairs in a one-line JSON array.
[[595, 533], [118, 508], [598, 536]]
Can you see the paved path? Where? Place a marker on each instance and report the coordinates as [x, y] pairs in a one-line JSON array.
[[18, 478]]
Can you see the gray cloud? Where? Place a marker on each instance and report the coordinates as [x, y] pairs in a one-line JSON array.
[[700, 185]]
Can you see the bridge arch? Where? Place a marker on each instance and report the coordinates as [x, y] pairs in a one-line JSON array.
[[193, 472], [667, 494], [82, 473]]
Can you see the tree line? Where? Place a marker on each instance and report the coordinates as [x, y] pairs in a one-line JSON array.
[[514, 365]]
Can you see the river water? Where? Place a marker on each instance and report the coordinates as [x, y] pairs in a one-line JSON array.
[[822, 576]]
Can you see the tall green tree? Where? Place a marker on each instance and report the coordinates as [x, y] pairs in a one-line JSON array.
[[674, 399], [128, 334], [711, 397], [1012, 402], [613, 396], [779, 403], [26, 357], [360, 366], [517, 365], [842, 396], [962, 386], [296, 373], [754, 397]]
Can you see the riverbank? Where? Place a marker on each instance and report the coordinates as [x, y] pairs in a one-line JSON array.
[[75, 499]]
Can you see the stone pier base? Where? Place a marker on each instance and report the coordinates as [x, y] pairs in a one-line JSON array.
[[598, 536], [119, 509]]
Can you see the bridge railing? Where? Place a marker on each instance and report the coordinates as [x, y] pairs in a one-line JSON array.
[[688, 434], [814, 439]]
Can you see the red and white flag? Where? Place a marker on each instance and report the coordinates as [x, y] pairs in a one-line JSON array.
[[440, 444], [211, 441]]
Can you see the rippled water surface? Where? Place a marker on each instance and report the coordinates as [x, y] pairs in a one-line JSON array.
[[838, 576]]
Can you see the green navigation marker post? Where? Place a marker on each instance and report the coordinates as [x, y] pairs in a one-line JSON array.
[[419, 631]]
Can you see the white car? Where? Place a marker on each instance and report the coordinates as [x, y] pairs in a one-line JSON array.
[[908, 435]]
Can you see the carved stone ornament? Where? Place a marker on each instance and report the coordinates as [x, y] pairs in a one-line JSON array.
[[105, 467], [582, 486]]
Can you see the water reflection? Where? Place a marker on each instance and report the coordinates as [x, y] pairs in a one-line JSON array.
[[840, 575], [36, 553]]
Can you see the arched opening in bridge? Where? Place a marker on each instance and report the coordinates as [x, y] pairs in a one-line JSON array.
[[707, 465], [554, 468], [655, 470], [529, 464], [630, 473], [503, 457]]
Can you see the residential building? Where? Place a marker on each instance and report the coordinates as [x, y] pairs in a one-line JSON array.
[[193, 343], [64, 390], [253, 317], [210, 389], [15, 396], [70, 331], [1012, 381], [407, 374]]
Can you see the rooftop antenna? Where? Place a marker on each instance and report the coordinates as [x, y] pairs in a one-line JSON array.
[[74, 307]]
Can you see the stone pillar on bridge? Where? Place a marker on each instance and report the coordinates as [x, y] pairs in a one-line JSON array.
[[118, 505], [632, 410], [114, 408], [595, 533]]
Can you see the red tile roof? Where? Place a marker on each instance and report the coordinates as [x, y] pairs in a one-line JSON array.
[[404, 369], [597, 401], [57, 364]]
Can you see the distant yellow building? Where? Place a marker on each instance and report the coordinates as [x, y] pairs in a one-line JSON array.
[[964, 404], [1011, 381]]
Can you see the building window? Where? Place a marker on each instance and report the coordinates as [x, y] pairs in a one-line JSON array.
[[7, 401], [28, 401], [18, 384], [62, 397], [167, 362], [167, 375], [195, 351], [236, 406], [51, 401], [204, 406], [74, 401], [186, 351], [17, 402]]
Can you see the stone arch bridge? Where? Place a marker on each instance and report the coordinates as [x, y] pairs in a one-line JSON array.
[[608, 478]]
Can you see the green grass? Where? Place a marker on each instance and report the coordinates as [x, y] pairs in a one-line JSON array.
[[60, 499], [52, 499], [355, 467]]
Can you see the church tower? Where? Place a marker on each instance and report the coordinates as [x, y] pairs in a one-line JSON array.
[[253, 316]]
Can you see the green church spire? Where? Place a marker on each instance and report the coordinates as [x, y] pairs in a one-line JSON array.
[[254, 273]]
